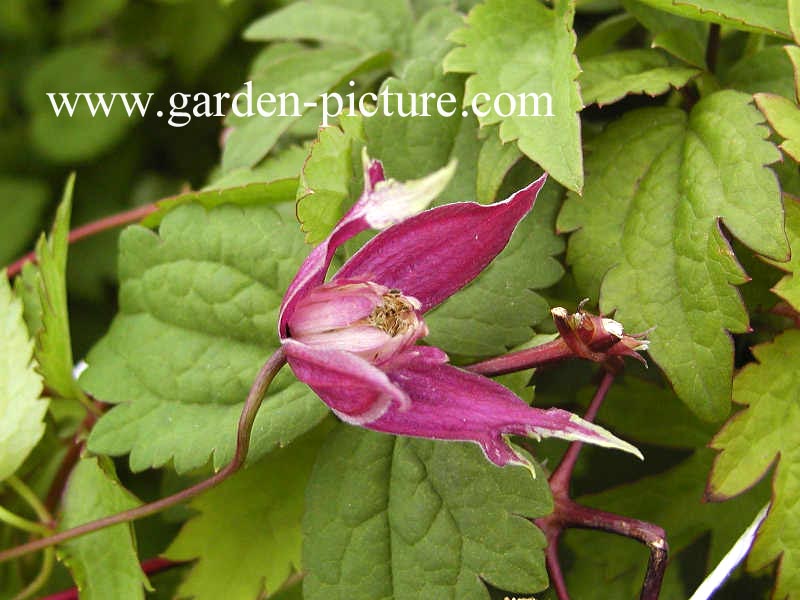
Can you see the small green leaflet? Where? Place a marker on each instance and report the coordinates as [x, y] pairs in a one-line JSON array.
[[535, 57], [246, 536], [760, 16], [21, 409], [611, 77], [495, 160], [649, 243], [104, 564], [784, 117], [767, 432], [198, 311], [326, 178], [788, 288], [403, 518], [47, 281]]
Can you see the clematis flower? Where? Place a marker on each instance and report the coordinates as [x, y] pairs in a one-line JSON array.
[[354, 340]]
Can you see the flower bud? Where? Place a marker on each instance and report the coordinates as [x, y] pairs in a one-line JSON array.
[[361, 317]]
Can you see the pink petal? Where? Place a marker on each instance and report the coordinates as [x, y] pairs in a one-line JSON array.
[[434, 254], [354, 389], [448, 403], [381, 204], [312, 272], [329, 307]]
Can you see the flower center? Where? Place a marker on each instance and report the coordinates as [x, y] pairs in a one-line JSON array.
[[395, 314]]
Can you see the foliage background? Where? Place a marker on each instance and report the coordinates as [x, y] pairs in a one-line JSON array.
[[671, 201]]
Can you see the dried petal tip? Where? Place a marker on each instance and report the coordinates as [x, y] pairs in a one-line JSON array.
[[613, 327], [390, 201], [598, 436]]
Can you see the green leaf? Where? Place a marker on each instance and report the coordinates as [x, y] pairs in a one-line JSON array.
[[308, 73], [648, 232], [535, 57], [429, 36], [604, 36], [494, 161], [21, 409], [48, 279], [90, 68], [794, 18], [198, 312], [22, 202], [410, 147], [499, 309], [768, 70], [325, 182], [611, 77], [246, 195], [362, 24], [767, 432], [104, 564], [760, 16], [322, 22], [672, 500], [794, 57], [788, 288], [403, 518], [784, 117], [683, 38], [285, 165], [260, 509]]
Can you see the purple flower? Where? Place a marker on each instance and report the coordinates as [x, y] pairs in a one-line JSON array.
[[354, 339]]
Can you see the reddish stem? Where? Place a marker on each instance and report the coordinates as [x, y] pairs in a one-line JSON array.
[[554, 565], [560, 478], [547, 353], [150, 566], [90, 229], [244, 429], [567, 513], [571, 514]]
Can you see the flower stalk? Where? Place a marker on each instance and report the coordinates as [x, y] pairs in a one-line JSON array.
[[244, 430]]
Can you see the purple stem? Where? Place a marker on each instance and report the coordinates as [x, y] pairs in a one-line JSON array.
[[550, 352], [568, 513], [90, 229], [560, 478]]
